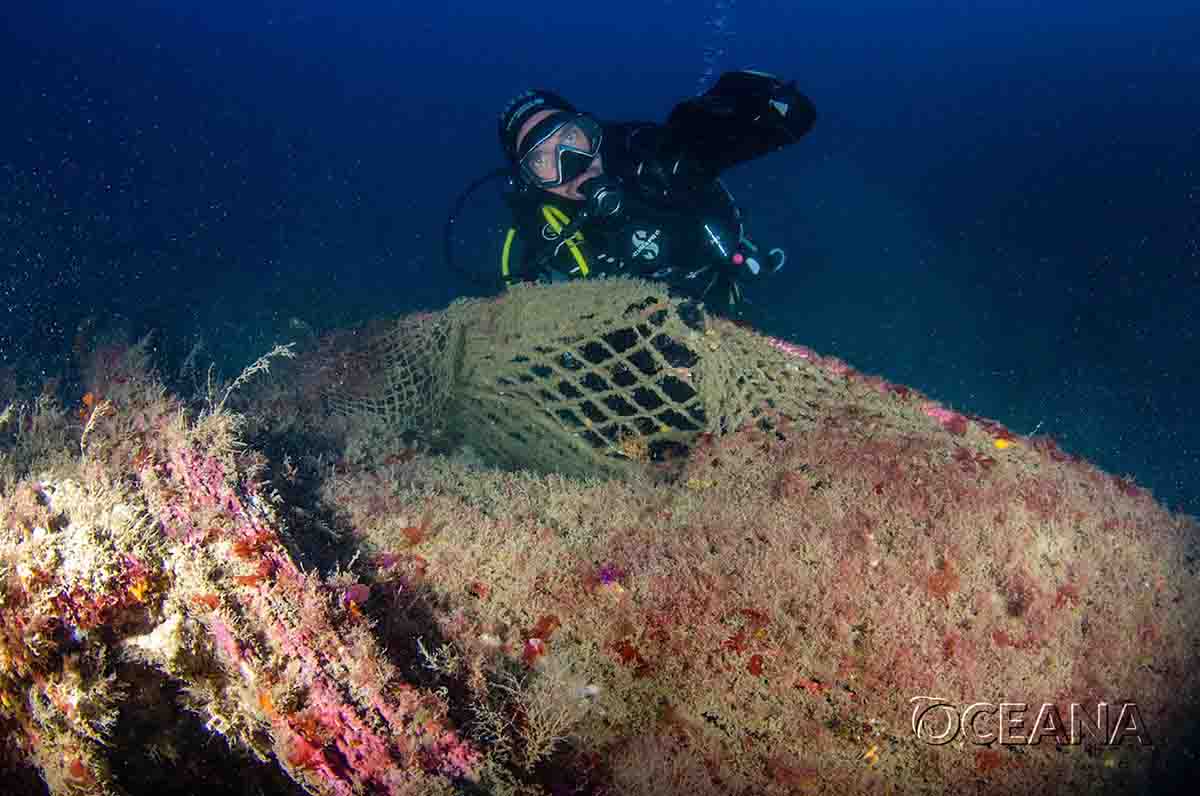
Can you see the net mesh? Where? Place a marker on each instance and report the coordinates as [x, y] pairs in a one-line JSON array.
[[583, 378], [398, 372], [580, 378]]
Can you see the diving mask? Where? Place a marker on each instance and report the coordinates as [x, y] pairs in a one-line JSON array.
[[558, 149]]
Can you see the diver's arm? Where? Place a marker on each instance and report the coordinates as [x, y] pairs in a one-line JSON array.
[[745, 115], [629, 149], [636, 153]]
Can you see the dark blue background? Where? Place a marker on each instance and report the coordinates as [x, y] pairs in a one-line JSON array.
[[999, 205]]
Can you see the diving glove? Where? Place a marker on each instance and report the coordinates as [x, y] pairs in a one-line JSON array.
[[745, 115]]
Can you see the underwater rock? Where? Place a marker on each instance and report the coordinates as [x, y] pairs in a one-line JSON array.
[[803, 600]]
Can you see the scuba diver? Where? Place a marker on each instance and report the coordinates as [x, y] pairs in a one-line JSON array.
[[643, 199]]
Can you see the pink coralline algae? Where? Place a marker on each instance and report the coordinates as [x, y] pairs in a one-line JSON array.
[[356, 594], [791, 349], [202, 474], [950, 420], [831, 365], [197, 579], [317, 646]]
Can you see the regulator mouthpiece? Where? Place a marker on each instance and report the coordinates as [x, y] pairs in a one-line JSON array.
[[604, 196]]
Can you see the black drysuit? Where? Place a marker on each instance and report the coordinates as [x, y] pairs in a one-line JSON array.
[[677, 224]]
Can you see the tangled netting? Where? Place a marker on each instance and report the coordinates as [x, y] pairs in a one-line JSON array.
[[401, 373], [582, 379]]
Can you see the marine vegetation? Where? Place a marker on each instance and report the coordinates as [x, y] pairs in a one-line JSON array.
[[259, 591]]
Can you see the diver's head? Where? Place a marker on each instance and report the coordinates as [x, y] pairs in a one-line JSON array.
[[554, 147]]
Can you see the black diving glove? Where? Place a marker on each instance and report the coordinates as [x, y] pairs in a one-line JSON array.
[[745, 115]]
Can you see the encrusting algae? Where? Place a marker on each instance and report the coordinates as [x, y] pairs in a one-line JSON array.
[[750, 610]]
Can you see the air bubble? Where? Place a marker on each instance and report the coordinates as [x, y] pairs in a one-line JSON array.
[[719, 31]]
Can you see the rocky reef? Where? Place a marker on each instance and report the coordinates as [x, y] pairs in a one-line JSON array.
[[267, 596]]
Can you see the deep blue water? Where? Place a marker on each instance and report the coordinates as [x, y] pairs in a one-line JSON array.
[[1000, 205]]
